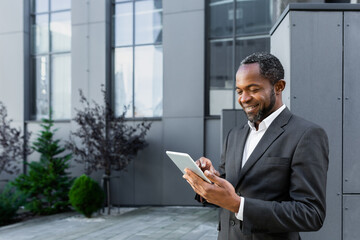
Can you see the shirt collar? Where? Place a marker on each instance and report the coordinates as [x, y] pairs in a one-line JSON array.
[[264, 124]]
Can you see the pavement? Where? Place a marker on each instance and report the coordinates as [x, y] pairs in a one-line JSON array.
[[185, 223]]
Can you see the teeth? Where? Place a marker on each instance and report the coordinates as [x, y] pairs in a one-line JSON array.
[[250, 108]]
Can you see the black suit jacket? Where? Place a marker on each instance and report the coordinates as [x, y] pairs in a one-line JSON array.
[[283, 181]]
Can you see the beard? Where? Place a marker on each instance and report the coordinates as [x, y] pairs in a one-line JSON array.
[[264, 112]]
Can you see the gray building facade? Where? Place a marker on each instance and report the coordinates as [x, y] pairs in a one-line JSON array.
[[186, 123]]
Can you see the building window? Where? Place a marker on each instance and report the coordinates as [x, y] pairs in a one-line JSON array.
[[236, 28], [50, 59], [137, 57]]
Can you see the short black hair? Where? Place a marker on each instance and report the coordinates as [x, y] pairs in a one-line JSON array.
[[270, 66]]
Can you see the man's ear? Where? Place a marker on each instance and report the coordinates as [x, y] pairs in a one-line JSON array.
[[279, 86]]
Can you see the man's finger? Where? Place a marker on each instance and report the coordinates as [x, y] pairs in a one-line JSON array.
[[213, 178], [213, 170]]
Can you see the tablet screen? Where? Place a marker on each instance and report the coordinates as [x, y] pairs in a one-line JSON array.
[[183, 160]]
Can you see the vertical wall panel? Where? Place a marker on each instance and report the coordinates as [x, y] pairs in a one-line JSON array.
[[181, 135], [351, 102], [351, 217], [148, 168], [314, 62], [213, 141], [280, 47], [183, 93], [316, 92]]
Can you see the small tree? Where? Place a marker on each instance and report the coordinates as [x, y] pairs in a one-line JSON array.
[[86, 196], [47, 184], [12, 148], [107, 142]]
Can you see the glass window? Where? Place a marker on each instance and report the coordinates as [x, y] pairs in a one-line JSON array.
[[40, 87], [51, 62], [253, 17], [60, 28], [39, 6], [148, 81], [221, 75], [221, 18], [57, 5], [40, 34], [61, 86], [123, 21], [137, 44], [148, 17], [233, 35], [123, 80]]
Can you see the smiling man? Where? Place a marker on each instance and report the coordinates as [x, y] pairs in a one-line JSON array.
[[271, 182]]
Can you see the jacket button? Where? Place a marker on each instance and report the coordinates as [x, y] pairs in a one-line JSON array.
[[232, 222]]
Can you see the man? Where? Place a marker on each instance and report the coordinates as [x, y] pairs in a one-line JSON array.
[[272, 177]]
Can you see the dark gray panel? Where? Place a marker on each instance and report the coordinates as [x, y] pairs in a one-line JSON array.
[[351, 102], [228, 121], [213, 141], [149, 170], [316, 92], [351, 217], [241, 118], [123, 186], [183, 64], [182, 135]]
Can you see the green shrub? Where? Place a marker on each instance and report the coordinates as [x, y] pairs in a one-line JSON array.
[[86, 196], [47, 183], [10, 201]]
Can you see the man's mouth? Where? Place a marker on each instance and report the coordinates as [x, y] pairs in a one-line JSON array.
[[251, 108]]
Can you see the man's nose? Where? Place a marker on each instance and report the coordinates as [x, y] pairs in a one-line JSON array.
[[245, 97]]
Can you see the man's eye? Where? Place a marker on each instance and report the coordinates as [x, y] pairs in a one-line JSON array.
[[239, 92], [253, 90]]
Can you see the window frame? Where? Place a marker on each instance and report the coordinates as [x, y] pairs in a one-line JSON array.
[[133, 47], [233, 38], [32, 113]]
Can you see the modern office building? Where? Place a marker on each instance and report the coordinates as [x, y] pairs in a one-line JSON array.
[[173, 62]]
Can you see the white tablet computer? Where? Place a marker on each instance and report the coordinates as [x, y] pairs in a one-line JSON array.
[[183, 160]]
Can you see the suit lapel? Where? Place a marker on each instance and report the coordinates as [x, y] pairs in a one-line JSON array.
[[273, 132]]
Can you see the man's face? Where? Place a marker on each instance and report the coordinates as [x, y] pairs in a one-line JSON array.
[[255, 94]]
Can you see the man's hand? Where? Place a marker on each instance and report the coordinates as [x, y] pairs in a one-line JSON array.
[[205, 164], [221, 192]]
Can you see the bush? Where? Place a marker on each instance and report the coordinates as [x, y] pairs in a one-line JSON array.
[[10, 201], [86, 196], [48, 182]]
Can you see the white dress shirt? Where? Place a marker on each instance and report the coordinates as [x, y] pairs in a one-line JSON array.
[[252, 140]]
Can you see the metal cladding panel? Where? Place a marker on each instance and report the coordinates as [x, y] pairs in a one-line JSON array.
[[180, 135], [241, 118], [351, 230], [316, 95], [148, 168], [183, 49], [123, 186], [213, 141], [352, 102], [280, 47], [228, 121]]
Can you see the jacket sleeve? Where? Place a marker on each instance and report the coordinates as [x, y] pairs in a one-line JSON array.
[[305, 211]]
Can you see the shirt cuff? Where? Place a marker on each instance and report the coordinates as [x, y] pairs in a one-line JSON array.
[[240, 213]]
